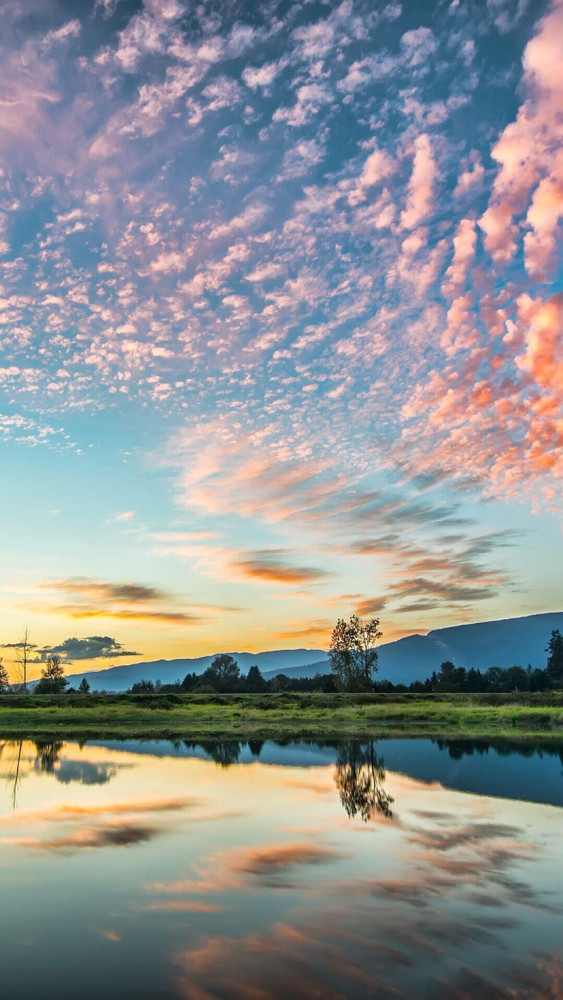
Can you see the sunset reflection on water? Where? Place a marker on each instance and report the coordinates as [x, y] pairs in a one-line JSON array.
[[176, 876]]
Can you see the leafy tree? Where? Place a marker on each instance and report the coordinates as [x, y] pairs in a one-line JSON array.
[[555, 659], [447, 672], [4, 679], [515, 679], [474, 680], [255, 682], [493, 678], [53, 680], [352, 655], [84, 687], [224, 673], [538, 680], [142, 687]]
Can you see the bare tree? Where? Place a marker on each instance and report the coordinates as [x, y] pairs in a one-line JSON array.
[[24, 648]]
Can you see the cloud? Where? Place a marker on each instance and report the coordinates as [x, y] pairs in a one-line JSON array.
[[262, 76], [418, 45], [470, 178], [420, 196], [301, 158], [116, 835], [381, 319], [124, 601], [319, 629], [267, 565], [67, 31], [84, 772], [125, 515], [371, 606], [528, 153], [310, 99], [378, 167], [17, 645], [182, 906], [91, 648], [119, 824], [121, 592], [275, 866]]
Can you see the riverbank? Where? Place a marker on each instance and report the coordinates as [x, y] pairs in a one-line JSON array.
[[282, 716]]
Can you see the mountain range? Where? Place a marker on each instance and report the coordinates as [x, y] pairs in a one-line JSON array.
[[481, 645]]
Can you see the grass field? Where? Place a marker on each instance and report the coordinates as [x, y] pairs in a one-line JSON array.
[[287, 715]]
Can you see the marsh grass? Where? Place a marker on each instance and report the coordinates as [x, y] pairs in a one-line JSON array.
[[287, 715]]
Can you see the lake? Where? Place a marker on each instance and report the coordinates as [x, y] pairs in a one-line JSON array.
[[260, 871]]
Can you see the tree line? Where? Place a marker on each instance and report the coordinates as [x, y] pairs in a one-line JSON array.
[[354, 663]]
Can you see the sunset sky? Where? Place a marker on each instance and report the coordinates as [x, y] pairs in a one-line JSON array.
[[281, 315]]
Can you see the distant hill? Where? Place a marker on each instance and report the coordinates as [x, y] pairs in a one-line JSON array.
[[121, 678], [503, 643], [485, 644]]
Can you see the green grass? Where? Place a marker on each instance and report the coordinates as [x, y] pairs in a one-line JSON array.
[[285, 716]]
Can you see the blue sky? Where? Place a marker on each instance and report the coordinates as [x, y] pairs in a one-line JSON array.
[[280, 315]]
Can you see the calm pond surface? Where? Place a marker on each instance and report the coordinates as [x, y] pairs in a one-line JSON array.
[[397, 869]]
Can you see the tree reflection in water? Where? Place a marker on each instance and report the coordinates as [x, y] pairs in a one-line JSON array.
[[47, 755], [14, 776], [359, 778], [224, 753]]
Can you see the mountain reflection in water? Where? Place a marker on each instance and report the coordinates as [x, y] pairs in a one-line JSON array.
[[214, 871]]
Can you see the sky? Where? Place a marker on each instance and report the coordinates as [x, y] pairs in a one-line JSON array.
[[281, 306]]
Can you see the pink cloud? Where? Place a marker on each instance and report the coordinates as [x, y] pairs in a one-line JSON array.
[[543, 356], [377, 168], [421, 185], [529, 157]]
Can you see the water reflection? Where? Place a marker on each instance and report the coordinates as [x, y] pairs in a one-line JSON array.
[[47, 755], [359, 773], [359, 778], [14, 774], [46, 761], [225, 753], [458, 749], [84, 773], [193, 877]]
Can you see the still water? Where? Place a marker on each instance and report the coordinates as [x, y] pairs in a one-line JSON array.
[[398, 869]]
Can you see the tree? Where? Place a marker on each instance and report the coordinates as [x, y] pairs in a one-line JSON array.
[[515, 679], [53, 680], [352, 655], [84, 687], [555, 659], [142, 687], [447, 671], [255, 682], [4, 679], [493, 678], [24, 648], [224, 673]]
